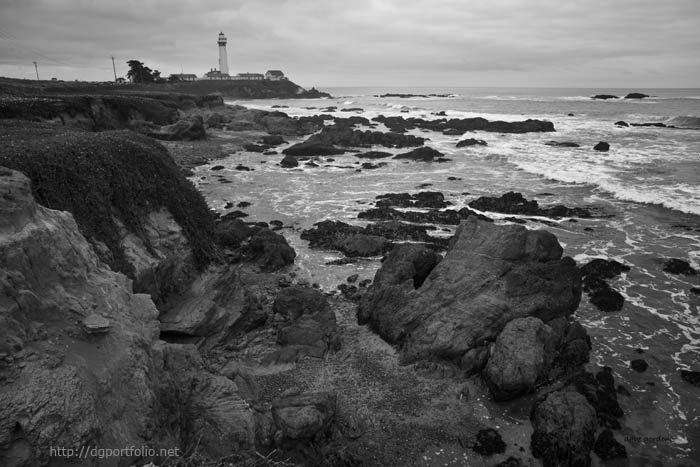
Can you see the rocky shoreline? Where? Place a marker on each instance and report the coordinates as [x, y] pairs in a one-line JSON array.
[[134, 315]]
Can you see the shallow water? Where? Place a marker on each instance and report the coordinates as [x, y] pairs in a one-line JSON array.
[[644, 166]]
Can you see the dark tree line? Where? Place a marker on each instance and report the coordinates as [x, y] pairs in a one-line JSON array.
[[139, 73]]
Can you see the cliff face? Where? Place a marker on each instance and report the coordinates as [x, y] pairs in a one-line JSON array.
[[126, 194], [80, 360]]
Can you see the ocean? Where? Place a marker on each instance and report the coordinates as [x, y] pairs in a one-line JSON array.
[[647, 186]]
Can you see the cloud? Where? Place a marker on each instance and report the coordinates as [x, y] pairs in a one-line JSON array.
[[383, 42]]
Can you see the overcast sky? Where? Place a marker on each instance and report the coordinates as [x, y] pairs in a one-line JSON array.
[[567, 43]]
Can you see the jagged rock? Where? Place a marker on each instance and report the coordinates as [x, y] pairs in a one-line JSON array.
[[602, 146], [422, 199], [305, 416], [599, 390], [293, 302], [96, 324], [523, 352], [603, 269], [607, 447], [471, 142], [679, 266], [601, 295], [604, 96], [515, 203], [188, 129], [362, 245], [448, 216], [270, 250], [491, 275], [564, 426], [489, 442], [273, 140]]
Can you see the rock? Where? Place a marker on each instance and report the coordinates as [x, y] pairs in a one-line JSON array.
[[218, 167], [639, 365], [270, 250], [622, 123], [565, 144], [604, 96], [232, 231], [510, 462], [293, 302], [374, 155], [96, 324], [599, 390], [243, 168], [289, 162], [607, 447], [602, 146], [603, 269], [305, 416], [424, 154], [601, 295], [490, 275], [606, 299], [273, 140], [188, 129], [515, 203], [679, 266], [250, 147], [636, 95], [471, 142], [693, 377], [523, 352], [564, 426], [311, 149], [489, 442], [362, 245]]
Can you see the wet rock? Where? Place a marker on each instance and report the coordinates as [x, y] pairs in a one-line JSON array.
[[622, 123], [599, 390], [639, 365], [636, 95], [471, 142], [564, 426], [490, 275], [448, 216], [423, 154], [601, 295], [606, 299], [489, 442], [374, 155], [603, 269], [289, 162], [607, 447], [693, 377], [678, 266], [604, 96], [311, 149], [602, 146], [250, 147], [362, 245], [370, 166], [515, 203], [273, 140], [231, 232], [218, 167], [523, 352], [562, 144], [243, 168]]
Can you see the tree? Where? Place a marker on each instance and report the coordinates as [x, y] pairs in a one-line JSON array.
[[138, 73]]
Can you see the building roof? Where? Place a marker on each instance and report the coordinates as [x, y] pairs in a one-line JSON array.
[[275, 72]]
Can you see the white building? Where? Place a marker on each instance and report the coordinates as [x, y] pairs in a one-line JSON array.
[[274, 75], [223, 58]]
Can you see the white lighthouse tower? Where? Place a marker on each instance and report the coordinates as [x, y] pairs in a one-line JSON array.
[[223, 60]]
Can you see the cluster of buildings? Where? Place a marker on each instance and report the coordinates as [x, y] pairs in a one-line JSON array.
[[223, 74]]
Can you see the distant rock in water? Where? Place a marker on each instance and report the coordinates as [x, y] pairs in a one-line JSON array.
[[604, 96], [374, 155], [423, 154], [289, 161], [564, 144], [639, 365], [401, 125], [621, 123], [422, 199], [679, 266], [602, 146], [471, 142], [636, 95]]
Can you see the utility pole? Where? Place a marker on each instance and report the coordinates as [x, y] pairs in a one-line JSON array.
[[115, 69], [36, 68]]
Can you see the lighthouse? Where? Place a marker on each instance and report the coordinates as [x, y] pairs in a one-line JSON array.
[[223, 60]]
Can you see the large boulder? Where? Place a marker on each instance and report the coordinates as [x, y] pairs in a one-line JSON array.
[[523, 352], [564, 427], [303, 417], [270, 250], [491, 275]]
